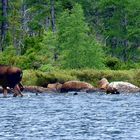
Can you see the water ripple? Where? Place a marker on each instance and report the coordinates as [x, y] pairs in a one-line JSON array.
[[66, 117]]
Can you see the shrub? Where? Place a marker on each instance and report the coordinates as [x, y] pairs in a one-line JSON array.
[[34, 77], [47, 67], [113, 63]]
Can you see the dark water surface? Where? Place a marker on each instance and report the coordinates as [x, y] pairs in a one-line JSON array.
[[66, 117]]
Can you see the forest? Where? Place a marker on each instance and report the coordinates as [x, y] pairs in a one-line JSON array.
[[70, 34]]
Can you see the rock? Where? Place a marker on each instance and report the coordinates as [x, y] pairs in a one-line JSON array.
[[103, 83], [37, 89], [75, 86], [75, 93], [112, 90], [55, 87], [117, 87], [124, 87]]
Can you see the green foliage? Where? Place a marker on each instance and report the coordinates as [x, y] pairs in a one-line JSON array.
[[29, 77], [130, 65], [39, 78], [113, 63], [48, 47], [78, 50], [8, 56], [46, 68], [116, 24], [31, 42], [136, 77]]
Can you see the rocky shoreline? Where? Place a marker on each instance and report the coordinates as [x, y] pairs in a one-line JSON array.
[[38, 89], [79, 86]]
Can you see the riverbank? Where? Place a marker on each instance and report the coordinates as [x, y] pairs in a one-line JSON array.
[[38, 78]]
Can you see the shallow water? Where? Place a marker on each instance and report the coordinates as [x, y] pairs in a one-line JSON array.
[[67, 117]]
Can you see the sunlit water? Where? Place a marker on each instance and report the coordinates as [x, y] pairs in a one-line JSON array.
[[67, 117]]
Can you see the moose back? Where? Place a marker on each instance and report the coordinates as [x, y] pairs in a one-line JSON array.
[[11, 77]]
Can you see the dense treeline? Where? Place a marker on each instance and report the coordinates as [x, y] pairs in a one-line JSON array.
[[74, 34]]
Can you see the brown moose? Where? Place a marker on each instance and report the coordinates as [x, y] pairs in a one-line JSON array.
[[11, 77]]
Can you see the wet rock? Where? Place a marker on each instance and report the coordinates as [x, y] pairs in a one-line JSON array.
[[55, 87], [124, 87], [75, 86], [75, 93], [103, 83], [117, 87], [37, 89], [112, 90]]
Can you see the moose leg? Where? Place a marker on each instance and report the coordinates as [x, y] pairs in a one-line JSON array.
[[17, 91], [4, 91], [21, 87]]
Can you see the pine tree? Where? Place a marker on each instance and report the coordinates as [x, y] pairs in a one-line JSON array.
[[77, 48]]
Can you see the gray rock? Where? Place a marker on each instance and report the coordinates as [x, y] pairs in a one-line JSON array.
[[124, 87]]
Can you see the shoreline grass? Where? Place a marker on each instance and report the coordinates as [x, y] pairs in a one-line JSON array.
[[39, 78]]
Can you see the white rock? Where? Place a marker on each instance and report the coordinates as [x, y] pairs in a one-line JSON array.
[[124, 86]]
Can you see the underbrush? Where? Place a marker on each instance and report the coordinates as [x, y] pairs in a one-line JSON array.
[[35, 77]]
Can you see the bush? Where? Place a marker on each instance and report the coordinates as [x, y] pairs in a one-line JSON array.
[[34, 77], [93, 76], [29, 77], [130, 65], [47, 67], [113, 63], [39, 78], [136, 79]]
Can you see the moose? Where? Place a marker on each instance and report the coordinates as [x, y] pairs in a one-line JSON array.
[[10, 77]]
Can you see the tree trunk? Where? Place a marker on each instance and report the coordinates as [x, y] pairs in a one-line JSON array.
[[53, 15], [4, 23], [55, 56], [125, 41], [24, 27], [47, 23]]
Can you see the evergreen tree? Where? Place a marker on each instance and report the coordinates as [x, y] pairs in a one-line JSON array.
[[27, 25], [77, 48], [115, 23]]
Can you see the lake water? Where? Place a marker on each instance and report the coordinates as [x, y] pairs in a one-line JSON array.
[[85, 116]]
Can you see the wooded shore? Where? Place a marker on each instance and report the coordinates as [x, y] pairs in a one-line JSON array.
[[38, 78]]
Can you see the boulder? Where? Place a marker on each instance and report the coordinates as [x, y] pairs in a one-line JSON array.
[[103, 83], [55, 87], [117, 87], [112, 90], [37, 89], [76, 86], [124, 87]]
